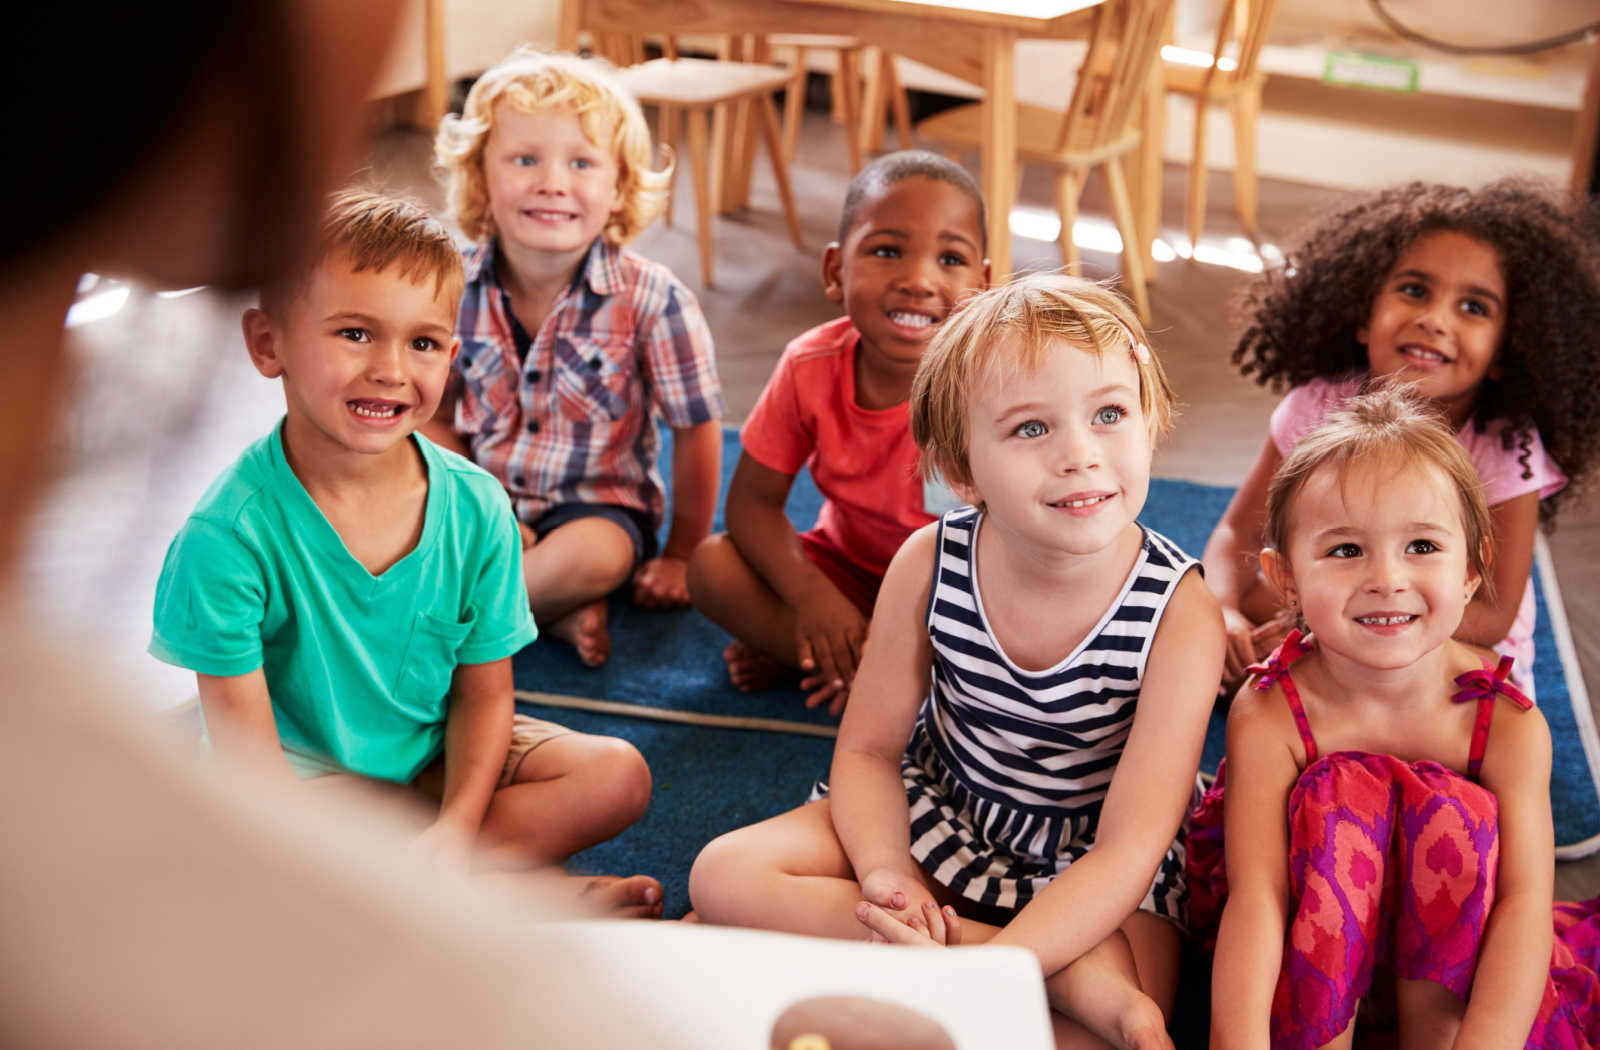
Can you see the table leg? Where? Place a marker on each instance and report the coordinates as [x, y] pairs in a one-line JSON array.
[[999, 134], [1146, 178], [571, 20]]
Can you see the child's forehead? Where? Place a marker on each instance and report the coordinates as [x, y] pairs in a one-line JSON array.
[[918, 200], [519, 117], [397, 293], [1368, 488], [1016, 359]]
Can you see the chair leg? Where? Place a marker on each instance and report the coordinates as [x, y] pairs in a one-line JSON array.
[[1069, 187], [700, 153], [872, 100], [897, 99], [1246, 108], [1128, 226], [667, 135], [1197, 175], [850, 75], [780, 171], [794, 105]]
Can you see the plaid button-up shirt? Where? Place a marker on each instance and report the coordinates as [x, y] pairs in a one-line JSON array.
[[574, 420]]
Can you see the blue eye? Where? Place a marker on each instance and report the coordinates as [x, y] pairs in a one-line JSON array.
[[1110, 414], [1031, 429], [522, 160], [582, 163], [1421, 547], [1344, 550]]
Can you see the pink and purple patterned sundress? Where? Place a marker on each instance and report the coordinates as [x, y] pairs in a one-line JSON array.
[[1392, 871]]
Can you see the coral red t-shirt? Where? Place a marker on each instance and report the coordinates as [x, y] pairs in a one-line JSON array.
[[863, 461]]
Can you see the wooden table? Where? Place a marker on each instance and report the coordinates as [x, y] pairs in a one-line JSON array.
[[974, 40]]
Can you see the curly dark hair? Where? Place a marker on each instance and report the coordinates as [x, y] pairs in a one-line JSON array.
[[1303, 316]]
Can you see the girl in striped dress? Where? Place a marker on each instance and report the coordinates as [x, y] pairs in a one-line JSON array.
[[1028, 714]]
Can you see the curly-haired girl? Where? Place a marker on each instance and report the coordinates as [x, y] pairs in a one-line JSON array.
[[1489, 300]]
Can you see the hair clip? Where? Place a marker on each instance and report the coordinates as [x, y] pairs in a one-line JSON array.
[[1141, 352]]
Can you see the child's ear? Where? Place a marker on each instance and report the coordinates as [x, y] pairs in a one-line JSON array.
[[455, 349], [987, 275], [1275, 567], [833, 273], [261, 340]]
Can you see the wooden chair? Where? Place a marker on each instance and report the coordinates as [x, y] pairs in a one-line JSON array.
[[1233, 79], [861, 112], [1098, 128], [695, 87]]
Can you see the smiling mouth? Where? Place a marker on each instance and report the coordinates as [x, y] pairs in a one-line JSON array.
[[1081, 502], [548, 215], [1386, 621], [912, 319], [375, 409], [1424, 355]]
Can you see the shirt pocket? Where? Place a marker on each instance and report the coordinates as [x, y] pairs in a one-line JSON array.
[[429, 661], [590, 384]]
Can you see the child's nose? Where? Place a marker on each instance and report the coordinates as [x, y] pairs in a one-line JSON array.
[[383, 363], [1385, 574], [1074, 449], [919, 275]]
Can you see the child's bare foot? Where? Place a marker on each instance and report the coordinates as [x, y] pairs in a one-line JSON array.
[[1143, 1028], [751, 670], [618, 897], [585, 629]]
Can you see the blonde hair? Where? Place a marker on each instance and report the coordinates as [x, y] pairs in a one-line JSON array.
[[1392, 423], [1039, 310], [532, 81], [375, 231]]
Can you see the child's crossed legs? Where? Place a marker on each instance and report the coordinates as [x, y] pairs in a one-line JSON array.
[[572, 558], [561, 792], [791, 873]]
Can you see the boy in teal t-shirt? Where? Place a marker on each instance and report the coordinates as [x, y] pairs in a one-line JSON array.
[[350, 595]]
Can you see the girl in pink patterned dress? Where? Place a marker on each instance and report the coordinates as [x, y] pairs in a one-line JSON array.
[[1415, 864]]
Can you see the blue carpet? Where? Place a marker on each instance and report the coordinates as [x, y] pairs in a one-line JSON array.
[[710, 780]]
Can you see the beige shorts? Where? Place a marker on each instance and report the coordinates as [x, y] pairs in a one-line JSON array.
[[526, 734]]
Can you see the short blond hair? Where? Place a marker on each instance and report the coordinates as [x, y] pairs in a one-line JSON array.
[[375, 231], [533, 81], [1393, 424], [1039, 310]]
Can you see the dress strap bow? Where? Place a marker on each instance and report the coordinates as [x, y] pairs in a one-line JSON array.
[[1277, 665], [1484, 684]]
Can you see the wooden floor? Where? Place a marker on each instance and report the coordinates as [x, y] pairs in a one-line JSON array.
[[168, 397]]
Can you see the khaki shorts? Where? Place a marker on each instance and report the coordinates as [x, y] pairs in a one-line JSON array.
[[526, 734]]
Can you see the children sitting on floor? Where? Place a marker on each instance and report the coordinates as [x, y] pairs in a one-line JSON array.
[[1489, 299], [1387, 800], [350, 596], [1028, 715], [573, 347], [911, 247]]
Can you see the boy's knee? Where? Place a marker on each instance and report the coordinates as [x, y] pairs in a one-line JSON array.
[[624, 778], [706, 564]]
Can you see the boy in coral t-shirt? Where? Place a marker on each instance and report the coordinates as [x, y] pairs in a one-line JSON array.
[[911, 247]]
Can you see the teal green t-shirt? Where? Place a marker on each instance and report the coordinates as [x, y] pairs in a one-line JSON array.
[[358, 666]]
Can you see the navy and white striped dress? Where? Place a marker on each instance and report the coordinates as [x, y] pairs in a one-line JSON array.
[[1007, 769]]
